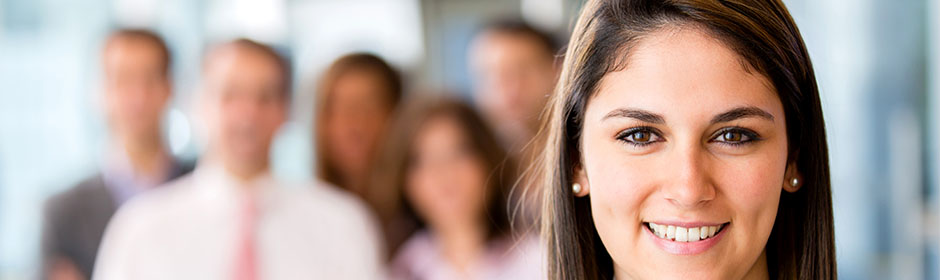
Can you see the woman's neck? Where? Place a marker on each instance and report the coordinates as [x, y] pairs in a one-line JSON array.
[[758, 270], [462, 244]]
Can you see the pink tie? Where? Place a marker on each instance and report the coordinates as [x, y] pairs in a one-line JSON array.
[[246, 266]]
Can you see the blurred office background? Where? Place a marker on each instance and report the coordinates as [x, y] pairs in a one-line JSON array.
[[877, 63]]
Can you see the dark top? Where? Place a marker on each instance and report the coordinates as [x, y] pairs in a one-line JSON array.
[[74, 221]]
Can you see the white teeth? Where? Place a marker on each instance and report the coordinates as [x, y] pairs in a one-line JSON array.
[[661, 231], [682, 234]]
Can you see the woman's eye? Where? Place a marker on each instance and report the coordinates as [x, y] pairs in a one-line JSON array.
[[639, 136], [735, 136], [732, 136]]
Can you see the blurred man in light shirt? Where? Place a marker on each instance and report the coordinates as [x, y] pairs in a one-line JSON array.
[[230, 219]]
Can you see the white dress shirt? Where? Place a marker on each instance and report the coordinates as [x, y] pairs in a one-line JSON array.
[[189, 229]]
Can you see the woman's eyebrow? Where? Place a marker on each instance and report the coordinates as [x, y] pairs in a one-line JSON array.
[[742, 112], [641, 115], [650, 117]]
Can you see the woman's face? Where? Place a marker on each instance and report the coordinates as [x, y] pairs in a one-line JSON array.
[[684, 140], [445, 181], [358, 111]]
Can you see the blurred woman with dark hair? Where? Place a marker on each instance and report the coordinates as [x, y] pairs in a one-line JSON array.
[[448, 171], [356, 99]]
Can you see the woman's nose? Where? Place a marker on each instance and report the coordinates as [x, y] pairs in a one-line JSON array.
[[688, 183]]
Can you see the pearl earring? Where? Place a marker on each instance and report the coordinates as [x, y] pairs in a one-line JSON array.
[[795, 182], [576, 188]]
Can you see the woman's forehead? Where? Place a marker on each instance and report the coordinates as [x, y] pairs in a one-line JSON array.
[[684, 71]]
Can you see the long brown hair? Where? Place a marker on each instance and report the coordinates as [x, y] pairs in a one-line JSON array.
[[765, 36], [391, 80], [397, 155]]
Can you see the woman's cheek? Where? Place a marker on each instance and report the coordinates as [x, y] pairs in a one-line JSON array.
[[616, 201], [752, 189], [616, 181], [752, 181]]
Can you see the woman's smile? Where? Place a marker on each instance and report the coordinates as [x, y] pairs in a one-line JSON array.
[[685, 238], [678, 142]]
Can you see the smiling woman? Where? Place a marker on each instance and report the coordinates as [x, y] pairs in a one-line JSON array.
[[686, 138]]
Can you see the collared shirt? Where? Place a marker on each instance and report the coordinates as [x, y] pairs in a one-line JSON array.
[[189, 229], [75, 219], [420, 258], [124, 182]]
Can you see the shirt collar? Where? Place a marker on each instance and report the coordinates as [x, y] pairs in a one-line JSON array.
[[124, 182], [212, 181]]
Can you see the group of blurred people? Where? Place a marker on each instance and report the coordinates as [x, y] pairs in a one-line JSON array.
[[411, 185]]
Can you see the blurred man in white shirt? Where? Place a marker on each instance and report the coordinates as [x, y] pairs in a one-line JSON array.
[[230, 219]]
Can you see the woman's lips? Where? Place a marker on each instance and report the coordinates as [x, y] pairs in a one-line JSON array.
[[686, 238]]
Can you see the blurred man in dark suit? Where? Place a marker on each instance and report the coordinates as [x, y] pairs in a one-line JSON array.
[[137, 89]]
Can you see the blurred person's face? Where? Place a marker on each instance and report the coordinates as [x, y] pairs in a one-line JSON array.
[[681, 141], [356, 117], [445, 180], [136, 88], [245, 104], [513, 76]]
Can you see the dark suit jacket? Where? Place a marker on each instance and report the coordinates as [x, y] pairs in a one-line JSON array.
[[75, 220]]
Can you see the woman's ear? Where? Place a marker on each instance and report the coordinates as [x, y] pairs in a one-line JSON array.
[[580, 186], [792, 180]]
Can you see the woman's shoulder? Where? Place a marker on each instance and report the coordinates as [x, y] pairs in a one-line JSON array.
[[416, 248], [417, 253], [518, 257]]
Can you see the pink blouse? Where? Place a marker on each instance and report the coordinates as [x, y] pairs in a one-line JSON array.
[[420, 259]]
